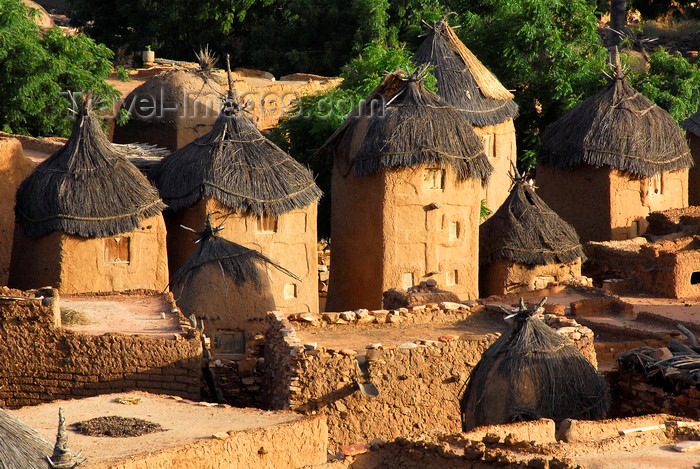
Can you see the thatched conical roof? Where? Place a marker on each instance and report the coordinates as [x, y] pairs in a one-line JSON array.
[[407, 125], [462, 80], [532, 372], [20, 445], [620, 128], [525, 230], [692, 124], [238, 166], [235, 262], [87, 188]]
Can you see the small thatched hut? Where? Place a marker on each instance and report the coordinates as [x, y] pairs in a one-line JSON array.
[[692, 133], [87, 220], [228, 286], [525, 245], [532, 372], [20, 445], [406, 184], [466, 84], [171, 109], [14, 168], [269, 198], [610, 161]]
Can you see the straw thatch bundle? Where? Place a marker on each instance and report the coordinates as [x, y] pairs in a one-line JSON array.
[[525, 230], [462, 80], [235, 261], [411, 126], [20, 445], [87, 188], [532, 372], [239, 167], [692, 124], [620, 128]]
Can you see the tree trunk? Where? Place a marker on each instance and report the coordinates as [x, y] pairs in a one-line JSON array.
[[618, 21]]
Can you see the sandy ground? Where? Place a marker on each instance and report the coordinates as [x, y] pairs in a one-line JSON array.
[[185, 423], [126, 314], [654, 457]]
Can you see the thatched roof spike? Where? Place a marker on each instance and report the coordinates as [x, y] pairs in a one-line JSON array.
[[62, 458]]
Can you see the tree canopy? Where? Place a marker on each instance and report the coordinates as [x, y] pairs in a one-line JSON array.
[[36, 67]]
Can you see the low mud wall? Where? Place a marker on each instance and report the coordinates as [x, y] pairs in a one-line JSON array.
[[419, 382], [41, 362]]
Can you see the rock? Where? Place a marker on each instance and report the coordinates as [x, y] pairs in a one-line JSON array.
[[220, 436], [340, 407], [352, 450], [324, 276], [393, 319], [491, 438], [566, 330], [348, 352], [348, 316], [309, 317], [408, 345], [662, 353], [448, 338], [450, 306], [380, 315], [373, 346], [331, 318], [687, 446], [431, 283], [311, 345], [322, 268]]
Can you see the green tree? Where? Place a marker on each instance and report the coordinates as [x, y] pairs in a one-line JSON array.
[[35, 68]]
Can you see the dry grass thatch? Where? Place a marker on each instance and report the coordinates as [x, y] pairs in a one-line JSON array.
[[692, 124], [532, 372], [404, 125], [87, 188], [236, 262], [238, 166], [525, 230], [620, 128], [20, 445], [462, 80]]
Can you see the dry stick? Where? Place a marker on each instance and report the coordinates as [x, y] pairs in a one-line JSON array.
[[689, 335]]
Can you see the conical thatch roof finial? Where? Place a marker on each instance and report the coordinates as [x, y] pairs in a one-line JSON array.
[[62, 458], [413, 127], [462, 80], [620, 128], [235, 261], [87, 188], [525, 230]]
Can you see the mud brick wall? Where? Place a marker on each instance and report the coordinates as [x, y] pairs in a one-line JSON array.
[[420, 383], [634, 394], [41, 362]]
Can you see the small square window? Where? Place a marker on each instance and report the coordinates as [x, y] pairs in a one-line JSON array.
[[117, 250], [452, 278], [407, 280], [290, 291], [433, 178], [454, 230], [267, 224], [229, 342]]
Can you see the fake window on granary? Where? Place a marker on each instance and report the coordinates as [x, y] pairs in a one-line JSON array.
[[656, 185], [434, 178], [267, 224], [230, 342], [117, 250]]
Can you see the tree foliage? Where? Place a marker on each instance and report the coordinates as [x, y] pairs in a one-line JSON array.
[[35, 68]]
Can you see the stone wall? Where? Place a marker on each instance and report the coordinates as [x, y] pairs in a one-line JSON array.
[[635, 394], [419, 382], [42, 362]]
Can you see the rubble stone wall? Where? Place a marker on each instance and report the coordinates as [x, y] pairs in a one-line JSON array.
[[419, 383], [41, 362]]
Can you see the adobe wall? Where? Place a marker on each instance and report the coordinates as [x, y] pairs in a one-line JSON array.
[[293, 246], [357, 258], [419, 239], [631, 200], [290, 445], [503, 276], [581, 196], [694, 172], [500, 147], [14, 168], [419, 383], [671, 275], [42, 362], [77, 265]]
